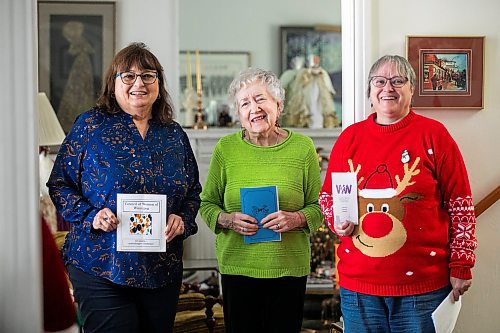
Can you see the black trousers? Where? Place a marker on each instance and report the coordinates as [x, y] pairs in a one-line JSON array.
[[263, 305], [108, 307]]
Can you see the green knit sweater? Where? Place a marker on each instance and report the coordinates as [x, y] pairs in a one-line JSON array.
[[293, 167]]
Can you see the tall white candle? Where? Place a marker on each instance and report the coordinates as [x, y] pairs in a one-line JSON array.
[[198, 73], [189, 81]]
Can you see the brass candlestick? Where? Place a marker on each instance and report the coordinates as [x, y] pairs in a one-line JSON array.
[[200, 124]]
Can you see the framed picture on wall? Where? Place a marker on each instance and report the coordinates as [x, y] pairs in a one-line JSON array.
[[76, 43], [217, 71], [305, 46], [449, 71]]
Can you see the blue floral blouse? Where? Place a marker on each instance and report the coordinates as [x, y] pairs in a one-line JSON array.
[[104, 154]]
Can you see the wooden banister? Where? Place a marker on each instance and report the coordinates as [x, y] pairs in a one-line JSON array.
[[487, 202]]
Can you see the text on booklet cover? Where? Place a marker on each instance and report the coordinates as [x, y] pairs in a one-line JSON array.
[[345, 197], [259, 202]]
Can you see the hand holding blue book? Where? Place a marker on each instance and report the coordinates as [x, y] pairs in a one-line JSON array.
[[259, 202]]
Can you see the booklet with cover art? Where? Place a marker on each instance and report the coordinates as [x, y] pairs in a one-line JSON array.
[[259, 202], [142, 219]]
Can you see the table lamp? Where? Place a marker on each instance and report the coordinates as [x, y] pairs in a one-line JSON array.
[[50, 133]]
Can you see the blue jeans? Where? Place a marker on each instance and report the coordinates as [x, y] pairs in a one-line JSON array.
[[364, 313], [108, 307]]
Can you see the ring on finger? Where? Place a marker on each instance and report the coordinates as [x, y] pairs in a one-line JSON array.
[[278, 226]]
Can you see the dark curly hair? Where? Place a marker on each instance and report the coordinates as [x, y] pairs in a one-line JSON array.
[[136, 54]]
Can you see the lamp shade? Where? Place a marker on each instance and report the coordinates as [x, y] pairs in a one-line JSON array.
[[50, 132]]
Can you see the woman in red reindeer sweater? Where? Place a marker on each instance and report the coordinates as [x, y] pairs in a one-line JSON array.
[[414, 239]]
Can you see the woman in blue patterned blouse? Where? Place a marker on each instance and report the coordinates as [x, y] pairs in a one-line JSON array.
[[128, 143]]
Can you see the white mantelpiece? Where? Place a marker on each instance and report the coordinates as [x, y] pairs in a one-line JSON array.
[[218, 132]]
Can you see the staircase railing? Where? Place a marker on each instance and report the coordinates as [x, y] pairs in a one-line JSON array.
[[487, 202]]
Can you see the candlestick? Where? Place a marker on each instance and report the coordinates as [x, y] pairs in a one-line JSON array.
[[200, 124], [189, 80], [198, 72]]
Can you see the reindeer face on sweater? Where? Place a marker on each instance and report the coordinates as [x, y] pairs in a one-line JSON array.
[[380, 231]]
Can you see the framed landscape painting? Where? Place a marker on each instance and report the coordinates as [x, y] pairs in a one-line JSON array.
[[449, 71]]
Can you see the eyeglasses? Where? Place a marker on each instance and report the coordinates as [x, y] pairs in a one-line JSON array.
[[396, 81], [130, 77]]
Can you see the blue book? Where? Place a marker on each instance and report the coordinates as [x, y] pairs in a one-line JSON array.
[[259, 202]]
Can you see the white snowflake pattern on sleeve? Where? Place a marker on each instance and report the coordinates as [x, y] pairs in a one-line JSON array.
[[463, 226]]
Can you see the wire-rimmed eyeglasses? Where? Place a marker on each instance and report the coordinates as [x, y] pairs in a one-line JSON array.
[[381, 81], [130, 77]]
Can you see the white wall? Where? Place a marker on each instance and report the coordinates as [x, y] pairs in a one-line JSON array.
[[154, 22], [253, 26], [476, 132]]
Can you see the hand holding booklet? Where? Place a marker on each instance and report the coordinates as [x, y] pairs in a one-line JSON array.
[[259, 202], [345, 197]]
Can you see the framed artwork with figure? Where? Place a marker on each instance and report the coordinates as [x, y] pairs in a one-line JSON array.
[[76, 45], [449, 71], [312, 47]]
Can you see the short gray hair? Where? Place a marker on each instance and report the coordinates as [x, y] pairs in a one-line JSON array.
[[403, 66], [251, 75]]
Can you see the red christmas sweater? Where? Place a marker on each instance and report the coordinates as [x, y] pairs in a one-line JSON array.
[[416, 215]]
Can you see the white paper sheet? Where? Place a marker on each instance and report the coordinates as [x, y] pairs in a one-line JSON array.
[[143, 218], [446, 314]]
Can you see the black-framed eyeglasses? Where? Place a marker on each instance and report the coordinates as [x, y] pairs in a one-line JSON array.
[[381, 81], [130, 77]]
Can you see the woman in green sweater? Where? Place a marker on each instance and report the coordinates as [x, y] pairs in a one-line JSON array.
[[263, 283]]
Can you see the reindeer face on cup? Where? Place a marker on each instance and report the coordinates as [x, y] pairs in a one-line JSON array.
[[380, 231]]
